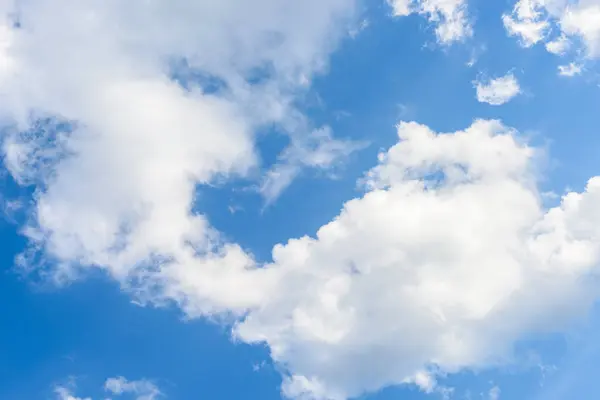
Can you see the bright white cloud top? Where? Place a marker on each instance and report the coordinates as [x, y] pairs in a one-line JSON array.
[[497, 91], [447, 259]]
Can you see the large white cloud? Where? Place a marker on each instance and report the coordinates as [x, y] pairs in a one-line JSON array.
[[445, 262], [115, 146]]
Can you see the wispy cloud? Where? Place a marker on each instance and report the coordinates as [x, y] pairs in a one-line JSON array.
[[139, 390], [318, 150]]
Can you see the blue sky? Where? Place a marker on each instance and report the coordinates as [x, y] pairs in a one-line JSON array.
[[145, 254]]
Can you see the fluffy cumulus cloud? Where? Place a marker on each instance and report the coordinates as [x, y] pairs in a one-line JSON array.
[[115, 111], [115, 387], [444, 263], [447, 259], [558, 23], [450, 17], [497, 91], [527, 22]]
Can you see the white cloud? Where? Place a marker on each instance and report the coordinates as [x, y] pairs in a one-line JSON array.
[[583, 20], [527, 22], [559, 46], [497, 91], [532, 20], [427, 383], [494, 393], [401, 8], [63, 393], [450, 17], [139, 390], [570, 69], [476, 52], [142, 389], [116, 178], [446, 261]]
